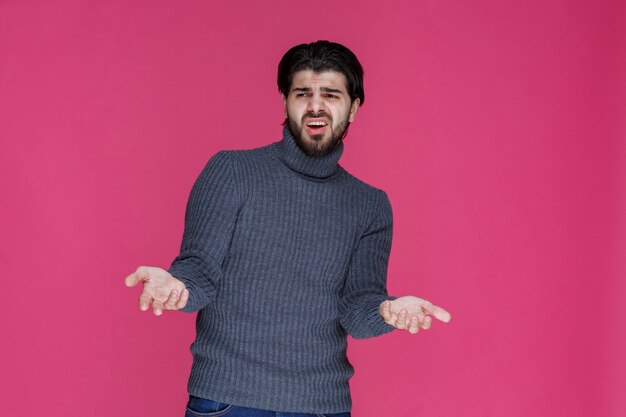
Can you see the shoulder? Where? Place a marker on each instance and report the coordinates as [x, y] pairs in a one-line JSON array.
[[241, 166], [236, 159], [372, 202], [240, 157], [376, 195]]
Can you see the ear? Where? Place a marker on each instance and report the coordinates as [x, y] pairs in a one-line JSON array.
[[353, 109], [284, 103]]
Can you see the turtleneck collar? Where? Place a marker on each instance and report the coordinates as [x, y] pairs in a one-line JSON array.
[[291, 155]]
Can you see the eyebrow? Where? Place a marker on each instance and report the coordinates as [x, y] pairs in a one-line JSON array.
[[324, 89]]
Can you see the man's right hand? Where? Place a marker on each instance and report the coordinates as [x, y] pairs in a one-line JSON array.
[[160, 289]]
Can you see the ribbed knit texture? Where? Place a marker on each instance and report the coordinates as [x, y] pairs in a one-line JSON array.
[[284, 255]]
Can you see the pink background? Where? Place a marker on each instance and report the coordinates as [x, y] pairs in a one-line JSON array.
[[496, 127]]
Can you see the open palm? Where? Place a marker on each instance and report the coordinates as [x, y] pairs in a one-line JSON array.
[[160, 289], [412, 313]]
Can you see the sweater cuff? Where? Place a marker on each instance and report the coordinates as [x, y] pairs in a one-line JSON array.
[[199, 276], [372, 322], [379, 326]]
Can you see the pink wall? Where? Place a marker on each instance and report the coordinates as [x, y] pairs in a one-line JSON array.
[[497, 129]]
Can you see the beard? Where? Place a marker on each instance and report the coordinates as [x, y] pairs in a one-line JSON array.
[[318, 147]]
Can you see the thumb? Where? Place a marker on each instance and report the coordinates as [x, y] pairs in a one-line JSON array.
[[441, 314], [136, 277]]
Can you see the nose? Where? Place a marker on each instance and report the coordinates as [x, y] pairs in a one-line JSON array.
[[315, 104]]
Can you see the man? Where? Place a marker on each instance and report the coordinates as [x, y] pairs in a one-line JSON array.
[[284, 254]]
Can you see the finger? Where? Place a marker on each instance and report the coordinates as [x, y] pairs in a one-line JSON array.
[[386, 311], [441, 314], [392, 317], [414, 325], [427, 307], [184, 296], [420, 316], [383, 310], [401, 323], [172, 299], [136, 277], [144, 301], [157, 308], [427, 322], [132, 280]]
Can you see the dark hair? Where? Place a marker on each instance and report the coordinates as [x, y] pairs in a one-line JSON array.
[[322, 56]]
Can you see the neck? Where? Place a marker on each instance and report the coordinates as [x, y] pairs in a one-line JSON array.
[[291, 155]]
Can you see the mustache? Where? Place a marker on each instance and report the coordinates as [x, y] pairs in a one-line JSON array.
[[311, 115]]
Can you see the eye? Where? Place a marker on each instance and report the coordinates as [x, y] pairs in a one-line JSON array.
[[331, 96]]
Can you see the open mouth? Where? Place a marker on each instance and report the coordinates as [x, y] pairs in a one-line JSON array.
[[316, 126]]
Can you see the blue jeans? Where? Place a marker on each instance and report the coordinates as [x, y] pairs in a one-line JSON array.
[[201, 407]]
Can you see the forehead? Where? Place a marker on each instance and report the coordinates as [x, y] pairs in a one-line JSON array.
[[309, 78]]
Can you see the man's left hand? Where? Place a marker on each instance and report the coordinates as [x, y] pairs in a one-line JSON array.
[[411, 313]]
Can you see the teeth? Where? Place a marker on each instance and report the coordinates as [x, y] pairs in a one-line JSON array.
[[316, 124]]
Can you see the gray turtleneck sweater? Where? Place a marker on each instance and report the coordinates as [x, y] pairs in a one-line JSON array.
[[284, 255]]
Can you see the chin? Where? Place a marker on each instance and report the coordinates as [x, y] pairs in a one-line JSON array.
[[317, 138]]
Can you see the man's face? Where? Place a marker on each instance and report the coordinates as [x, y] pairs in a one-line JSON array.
[[318, 110]]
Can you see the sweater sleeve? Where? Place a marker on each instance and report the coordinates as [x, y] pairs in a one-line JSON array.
[[210, 219], [365, 286]]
